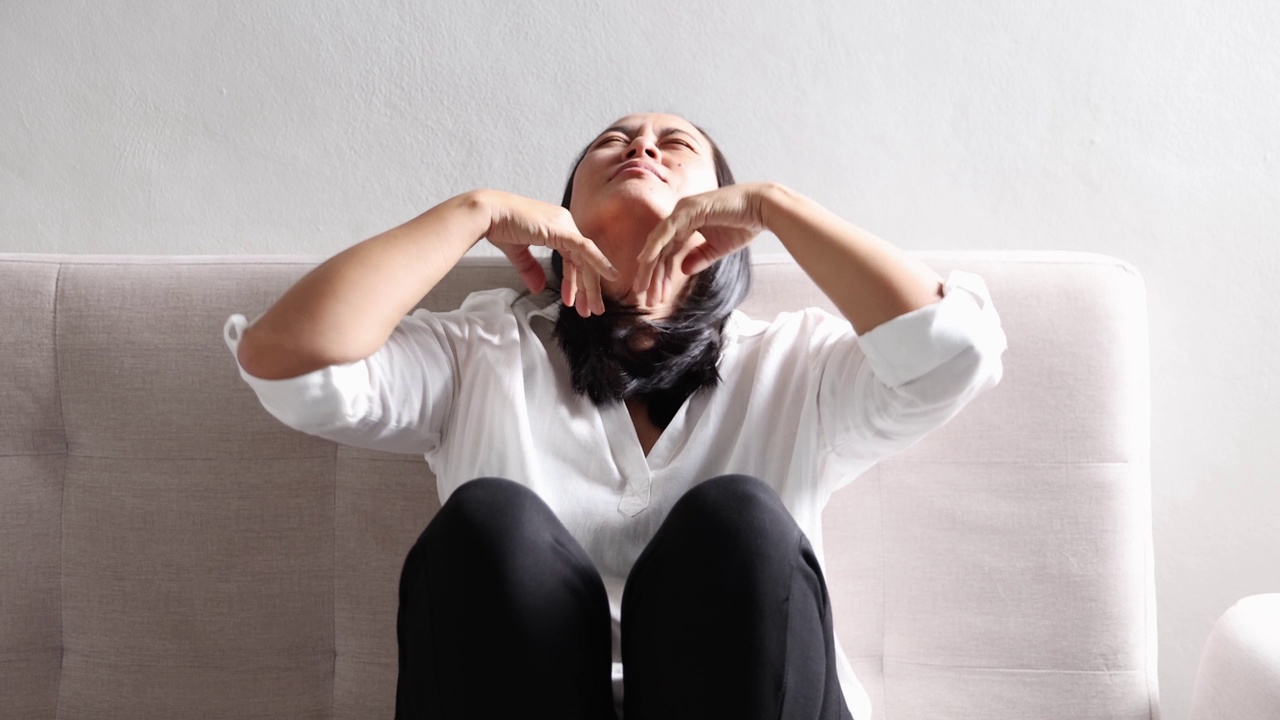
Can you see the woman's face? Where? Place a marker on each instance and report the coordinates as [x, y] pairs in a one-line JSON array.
[[618, 211]]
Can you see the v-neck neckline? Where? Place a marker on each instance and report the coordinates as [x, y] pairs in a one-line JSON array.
[[620, 431], [624, 439], [641, 421]]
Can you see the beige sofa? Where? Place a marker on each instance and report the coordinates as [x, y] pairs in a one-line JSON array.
[[170, 550]]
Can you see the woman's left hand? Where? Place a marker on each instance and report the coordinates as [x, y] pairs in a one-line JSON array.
[[700, 230]]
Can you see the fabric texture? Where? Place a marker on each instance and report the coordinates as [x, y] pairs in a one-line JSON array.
[[805, 404]]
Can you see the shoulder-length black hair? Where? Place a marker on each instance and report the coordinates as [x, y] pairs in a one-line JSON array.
[[621, 355]]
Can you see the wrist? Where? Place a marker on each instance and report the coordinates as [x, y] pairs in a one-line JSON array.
[[478, 206], [774, 200]]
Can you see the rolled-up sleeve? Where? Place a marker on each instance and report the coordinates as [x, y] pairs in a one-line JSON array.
[[881, 392], [396, 400]]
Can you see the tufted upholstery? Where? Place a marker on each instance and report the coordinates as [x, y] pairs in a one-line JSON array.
[[169, 550]]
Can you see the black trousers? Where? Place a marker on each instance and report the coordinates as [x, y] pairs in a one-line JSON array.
[[725, 614]]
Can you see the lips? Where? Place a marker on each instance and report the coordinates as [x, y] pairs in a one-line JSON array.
[[639, 164]]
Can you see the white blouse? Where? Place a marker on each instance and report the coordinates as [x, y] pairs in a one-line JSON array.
[[804, 404]]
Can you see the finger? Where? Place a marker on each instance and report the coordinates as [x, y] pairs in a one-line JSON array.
[[662, 274], [570, 290], [668, 269], [641, 279], [582, 302], [647, 260], [591, 255], [531, 272], [682, 243], [701, 252], [699, 259], [591, 283], [677, 243], [655, 287]]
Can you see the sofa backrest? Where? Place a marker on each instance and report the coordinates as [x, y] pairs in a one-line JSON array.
[[169, 548]]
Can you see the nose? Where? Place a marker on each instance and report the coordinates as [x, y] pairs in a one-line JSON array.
[[643, 145]]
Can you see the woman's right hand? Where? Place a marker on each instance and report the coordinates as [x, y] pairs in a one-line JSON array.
[[516, 222]]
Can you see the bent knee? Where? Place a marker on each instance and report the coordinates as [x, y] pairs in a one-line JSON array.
[[735, 507], [490, 513], [733, 494]]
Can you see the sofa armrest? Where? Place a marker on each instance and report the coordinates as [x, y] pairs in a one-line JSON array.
[[1239, 673]]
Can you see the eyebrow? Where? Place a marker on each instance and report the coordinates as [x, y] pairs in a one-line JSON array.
[[629, 129]]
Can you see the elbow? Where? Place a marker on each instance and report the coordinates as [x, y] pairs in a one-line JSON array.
[[265, 360], [255, 359], [246, 353]]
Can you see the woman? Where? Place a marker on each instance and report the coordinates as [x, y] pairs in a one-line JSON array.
[[637, 483]]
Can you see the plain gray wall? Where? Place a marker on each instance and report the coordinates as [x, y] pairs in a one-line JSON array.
[[1143, 129]]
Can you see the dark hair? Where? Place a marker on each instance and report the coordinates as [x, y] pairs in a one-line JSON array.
[[620, 354]]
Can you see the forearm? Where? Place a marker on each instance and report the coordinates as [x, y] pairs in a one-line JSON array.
[[868, 279], [347, 307]]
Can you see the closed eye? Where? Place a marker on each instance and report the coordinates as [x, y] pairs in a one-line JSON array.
[[674, 140]]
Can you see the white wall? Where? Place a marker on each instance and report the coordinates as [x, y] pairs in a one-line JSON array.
[[1144, 129]]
